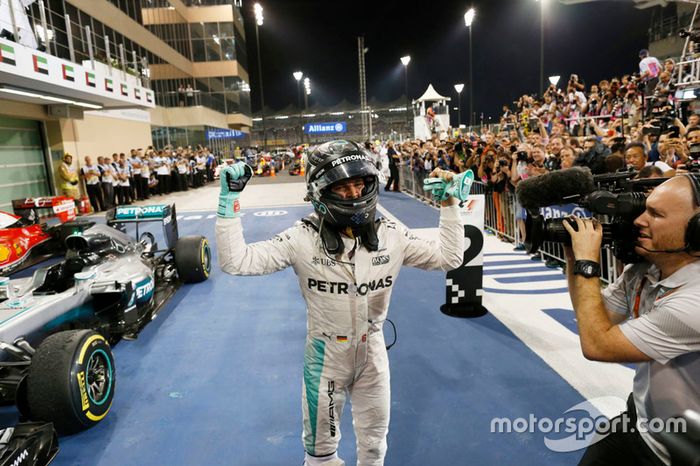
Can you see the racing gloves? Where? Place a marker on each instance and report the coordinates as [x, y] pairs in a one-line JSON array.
[[233, 179]]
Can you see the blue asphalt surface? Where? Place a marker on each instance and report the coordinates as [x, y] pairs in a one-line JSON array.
[[216, 378]]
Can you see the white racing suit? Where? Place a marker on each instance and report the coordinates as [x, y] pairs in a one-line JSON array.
[[347, 298]]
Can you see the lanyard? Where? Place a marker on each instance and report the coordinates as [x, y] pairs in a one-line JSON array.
[[638, 297]]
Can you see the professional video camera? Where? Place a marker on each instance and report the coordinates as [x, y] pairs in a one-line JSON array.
[[615, 196], [693, 162], [694, 35]]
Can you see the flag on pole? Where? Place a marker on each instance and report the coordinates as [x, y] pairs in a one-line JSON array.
[[7, 54], [109, 85], [90, 79], [137, 93], [41, 65], [68, 72], [125, 90], [149, 97]]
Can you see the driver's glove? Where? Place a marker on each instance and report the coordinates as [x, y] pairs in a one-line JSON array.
[[233, 179]]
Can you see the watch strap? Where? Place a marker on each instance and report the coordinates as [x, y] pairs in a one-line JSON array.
[[586, 268]]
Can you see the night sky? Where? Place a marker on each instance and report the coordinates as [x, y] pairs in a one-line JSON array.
[[596, 40]]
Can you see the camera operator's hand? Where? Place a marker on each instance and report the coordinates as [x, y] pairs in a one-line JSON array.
[[586, 237]]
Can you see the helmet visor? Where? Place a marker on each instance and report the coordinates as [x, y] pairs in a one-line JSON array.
[[353, 169]]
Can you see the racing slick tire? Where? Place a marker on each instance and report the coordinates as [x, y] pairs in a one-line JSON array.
[[193, 259], [71, 380]]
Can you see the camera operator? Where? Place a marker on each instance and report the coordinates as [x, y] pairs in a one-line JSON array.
[[673, 152], [501, 173], [692, 144], [693, 120], [663, 90], [648, 316], [486, 165]]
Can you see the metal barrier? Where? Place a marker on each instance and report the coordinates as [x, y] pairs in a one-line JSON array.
[[501, 219]]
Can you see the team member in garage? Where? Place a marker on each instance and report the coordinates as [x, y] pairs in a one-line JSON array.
[[346, 262], [69, 177]]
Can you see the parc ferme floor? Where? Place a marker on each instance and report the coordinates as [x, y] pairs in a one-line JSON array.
[[216, 378]]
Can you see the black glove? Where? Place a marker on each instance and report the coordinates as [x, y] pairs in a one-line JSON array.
[[236, 184], [74, 182]]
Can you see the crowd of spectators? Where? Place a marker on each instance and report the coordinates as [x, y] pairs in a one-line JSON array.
[[121, 179], [629, 123]]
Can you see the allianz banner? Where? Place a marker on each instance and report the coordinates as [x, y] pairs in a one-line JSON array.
[[320, 128]]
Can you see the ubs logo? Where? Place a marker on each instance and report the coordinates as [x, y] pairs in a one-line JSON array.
[[323, 261]]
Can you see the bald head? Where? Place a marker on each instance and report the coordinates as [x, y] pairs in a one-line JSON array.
[[676, 193], [694, 181]]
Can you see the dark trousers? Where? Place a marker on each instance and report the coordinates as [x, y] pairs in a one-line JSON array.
[[124, 194], [143, 183], [136, 184], [175, 183], [621, 448], [183, 181], [393, 178], [108, 194], [94, 192], [132, 188], [163, 184]]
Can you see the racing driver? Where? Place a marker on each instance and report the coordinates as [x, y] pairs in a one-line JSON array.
[[346, 262]]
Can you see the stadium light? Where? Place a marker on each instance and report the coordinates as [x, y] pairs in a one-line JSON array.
[[459, 88], [468, 21], [298, 75], [259, 22], [469, 17], [405, 60], [258, 14]]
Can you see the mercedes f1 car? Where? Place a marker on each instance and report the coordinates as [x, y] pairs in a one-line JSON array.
[[57, 325]]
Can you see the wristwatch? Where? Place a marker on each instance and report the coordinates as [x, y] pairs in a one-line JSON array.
[[588, 269]]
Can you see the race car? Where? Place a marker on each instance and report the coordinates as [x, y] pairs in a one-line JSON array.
[[56, 326], [19, 239], [24, 241]]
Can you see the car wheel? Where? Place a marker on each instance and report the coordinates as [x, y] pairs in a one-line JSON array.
[[71, 380], [193, 259]]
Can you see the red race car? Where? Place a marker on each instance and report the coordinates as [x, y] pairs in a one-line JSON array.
[[24, 241], [17, 240]]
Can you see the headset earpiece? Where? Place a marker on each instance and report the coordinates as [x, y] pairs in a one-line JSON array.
[[692, 232]]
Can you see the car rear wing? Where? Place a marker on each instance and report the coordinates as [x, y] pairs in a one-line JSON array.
[[48, 209], [119, 217]]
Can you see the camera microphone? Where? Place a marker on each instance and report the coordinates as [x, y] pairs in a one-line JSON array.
[[666, 251], [558, 187]]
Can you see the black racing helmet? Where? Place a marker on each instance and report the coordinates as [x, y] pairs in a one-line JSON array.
[[335, 161]]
